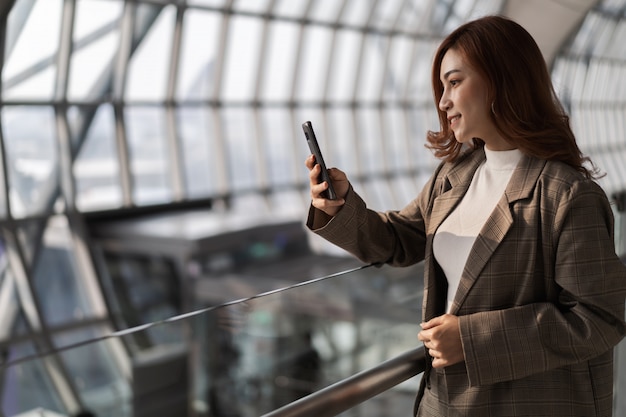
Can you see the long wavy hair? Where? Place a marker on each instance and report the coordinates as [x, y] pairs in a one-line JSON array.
[[524, 106]]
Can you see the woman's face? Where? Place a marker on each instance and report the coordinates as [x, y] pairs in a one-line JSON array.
[[465, 102]]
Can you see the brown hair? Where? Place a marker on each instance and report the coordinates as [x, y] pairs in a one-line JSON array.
[[524, 109]]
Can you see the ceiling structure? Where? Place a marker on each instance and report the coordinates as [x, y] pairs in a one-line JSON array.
[[112, 107]]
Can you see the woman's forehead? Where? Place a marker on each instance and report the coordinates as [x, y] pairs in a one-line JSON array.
[[452, 62]]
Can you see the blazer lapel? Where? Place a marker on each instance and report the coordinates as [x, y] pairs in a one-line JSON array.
[[497, 225], [453, 186]]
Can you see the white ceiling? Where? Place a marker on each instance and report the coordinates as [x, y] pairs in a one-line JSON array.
[[549, 21]]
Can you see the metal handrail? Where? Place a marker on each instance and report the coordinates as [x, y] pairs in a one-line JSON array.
[[352, 391]]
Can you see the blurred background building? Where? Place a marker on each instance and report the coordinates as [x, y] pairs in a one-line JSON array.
[[154, 192]]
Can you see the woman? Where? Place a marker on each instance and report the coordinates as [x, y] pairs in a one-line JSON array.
[[523, 292]]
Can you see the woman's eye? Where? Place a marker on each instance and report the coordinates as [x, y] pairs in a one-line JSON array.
[[454, 82]]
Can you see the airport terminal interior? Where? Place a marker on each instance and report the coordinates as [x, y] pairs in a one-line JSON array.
[[154, 259]]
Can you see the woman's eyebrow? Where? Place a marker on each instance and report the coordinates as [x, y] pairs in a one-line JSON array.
[[447, 74]]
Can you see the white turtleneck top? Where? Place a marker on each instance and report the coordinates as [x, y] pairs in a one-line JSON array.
[[456, 235]]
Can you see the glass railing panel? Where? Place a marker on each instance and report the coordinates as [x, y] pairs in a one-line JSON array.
[[288, 344], [244, 357]]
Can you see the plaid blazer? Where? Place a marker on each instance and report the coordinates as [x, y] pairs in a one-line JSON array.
[[541, 298]]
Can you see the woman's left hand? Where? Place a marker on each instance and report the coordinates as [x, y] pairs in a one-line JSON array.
[[442, 337]]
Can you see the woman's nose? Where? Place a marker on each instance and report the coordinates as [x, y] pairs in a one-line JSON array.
[[444, 102]]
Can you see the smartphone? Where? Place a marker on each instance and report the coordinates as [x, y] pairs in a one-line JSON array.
[[329, 193]]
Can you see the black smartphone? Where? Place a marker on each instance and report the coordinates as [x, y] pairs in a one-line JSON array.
[[329, 193]]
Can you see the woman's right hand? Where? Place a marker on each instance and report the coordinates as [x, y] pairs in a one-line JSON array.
[[340, 184]]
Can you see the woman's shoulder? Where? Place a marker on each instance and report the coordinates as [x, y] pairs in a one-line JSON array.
[[564, 173], [564, 181]]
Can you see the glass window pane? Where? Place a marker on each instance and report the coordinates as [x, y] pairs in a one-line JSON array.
[[324, 10], [380, 195], [38, 85], [58, 283], [202, 153], [239, 137], [282, 52], [614, 83], [617, 49], [3, 194], [282, 160], [96, 168], [102, 387], [617, 126], [372, 68], [561, 71], [251, 6], [315, 48], [342, 141], [31, 157], [484, 7], [370, 140], [450, 21], [149, 66], [398, 67], [211, 3], [147, 143], [582, 125], [357, 12], [344, 65], [293, 8], [605, 37], [415, 16], [394, 137], [586, 35], [589, 83], [93, 16], [463, 8], [29, 70], [578, 80], [420, 85], [9, 304], [420, 120], [198, 55], [386, 14], [149, 289], [96, 41], [241, 62], [28, 386]]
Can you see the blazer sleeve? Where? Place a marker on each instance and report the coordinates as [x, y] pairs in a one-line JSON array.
[[584, 321], [394, 237]]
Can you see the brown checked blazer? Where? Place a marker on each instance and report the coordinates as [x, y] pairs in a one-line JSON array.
[[541, 299]]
